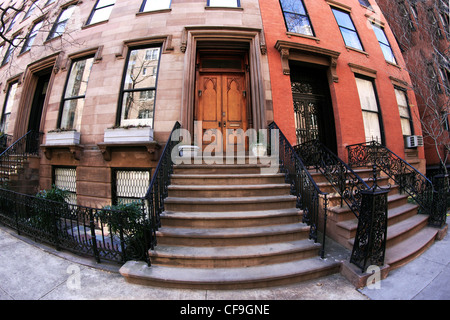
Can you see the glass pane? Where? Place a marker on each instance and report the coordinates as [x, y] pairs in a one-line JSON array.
[[406, 127], [71, 115], [101, 15], [294, 6], [137, 108], [66, 13], [298, 24], [11, 97], [380, 34], [371, 126], [104, 3], [78, 79], [388, 54], [367, 96], [152, 5], [351, 39], [343, 19], [223, 3], [142, 69]]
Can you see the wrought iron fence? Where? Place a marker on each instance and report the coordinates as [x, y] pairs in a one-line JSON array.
[[104, 234], [343, 179], [430, 200], [310, 198], [158, 188]]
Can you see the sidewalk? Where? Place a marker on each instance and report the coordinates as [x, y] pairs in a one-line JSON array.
[[31, 271]]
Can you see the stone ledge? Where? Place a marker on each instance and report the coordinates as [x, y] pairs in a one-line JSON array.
[[75, 149], [152, 147]]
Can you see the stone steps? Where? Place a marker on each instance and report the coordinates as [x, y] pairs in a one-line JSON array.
[[230, 226]]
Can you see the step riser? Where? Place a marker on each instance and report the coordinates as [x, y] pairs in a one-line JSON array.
[[165, 239], [392, 242], [188, 262], [229, 223], [199, 180], [219, 170], [251, 284], [230, 206], [241, 192]]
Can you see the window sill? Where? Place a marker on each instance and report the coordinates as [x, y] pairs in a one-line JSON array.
[[144, 13], [293, 34], [225, 8], [87, 26], [393, 64], [357, 50]]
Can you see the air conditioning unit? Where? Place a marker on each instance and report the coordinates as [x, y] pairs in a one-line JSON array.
[[414, 141]]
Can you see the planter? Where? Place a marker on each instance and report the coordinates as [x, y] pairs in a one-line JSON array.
[[259, 149], [62, 138], [188, 151], [139, 134]]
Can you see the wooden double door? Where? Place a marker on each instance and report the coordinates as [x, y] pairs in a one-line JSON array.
[[221, 107]]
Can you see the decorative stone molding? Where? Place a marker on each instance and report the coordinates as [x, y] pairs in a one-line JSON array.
[[307, 53], [152, 147]]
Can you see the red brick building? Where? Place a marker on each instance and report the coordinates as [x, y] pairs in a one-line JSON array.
[[337, 74]]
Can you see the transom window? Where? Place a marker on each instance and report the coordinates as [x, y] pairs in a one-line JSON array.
[[296, 17], [347, 28], [137, 100], [384, 43], [101, 11], [73, 100]]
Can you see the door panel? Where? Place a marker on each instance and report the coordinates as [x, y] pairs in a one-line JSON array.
[[222, 107]]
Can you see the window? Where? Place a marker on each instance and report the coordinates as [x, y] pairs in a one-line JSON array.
[[30, 39], [73, 100], [296, 17], [365, 3], [137, 101], [30, 10], [7, 108], [66, 179], [347, 28], [384, 43], [130, 185], [370, 111], [9, 53], [405, 116], [60, 24], [101, 11], [223, 3], [154, 5], [13, 21]]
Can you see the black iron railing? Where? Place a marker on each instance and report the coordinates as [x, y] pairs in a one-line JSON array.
[[104, 234], [408, 178], [158, 188], [12, 159], [343, 179], [310, 198]]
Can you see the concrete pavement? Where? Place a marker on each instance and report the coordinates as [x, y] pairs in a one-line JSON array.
[[31, 271]]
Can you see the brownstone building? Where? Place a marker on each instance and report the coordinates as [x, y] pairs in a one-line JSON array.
[[88, 69]]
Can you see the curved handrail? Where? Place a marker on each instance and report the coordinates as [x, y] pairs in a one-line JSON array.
[[303, 185], [342, 178]]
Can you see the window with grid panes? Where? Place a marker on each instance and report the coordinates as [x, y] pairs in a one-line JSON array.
[[66, 179], [130, 185], [347, 29], [296, 17]]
